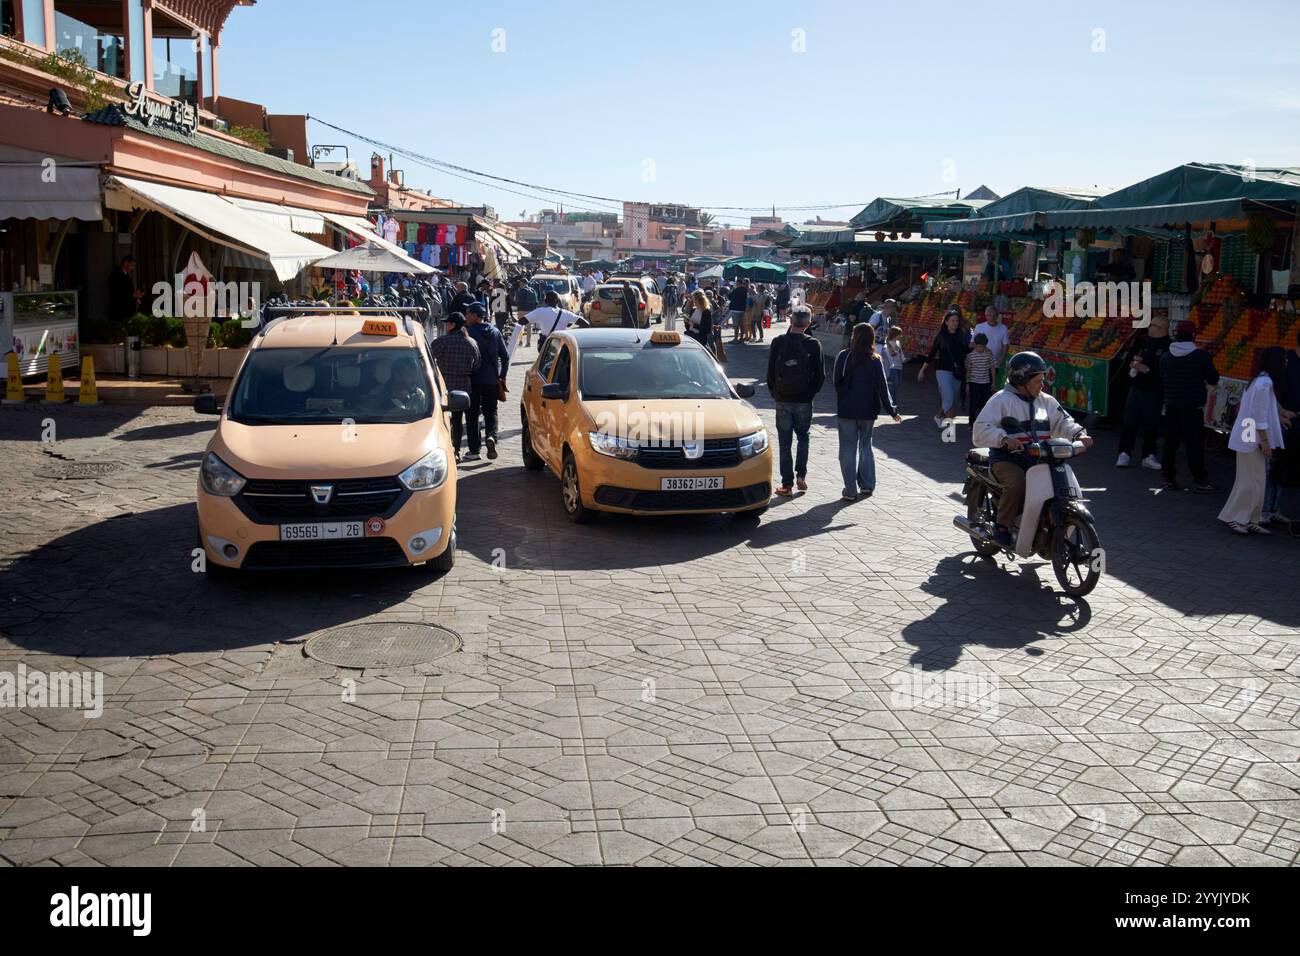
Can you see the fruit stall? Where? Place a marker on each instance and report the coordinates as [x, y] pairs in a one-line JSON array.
[[1236, 334]]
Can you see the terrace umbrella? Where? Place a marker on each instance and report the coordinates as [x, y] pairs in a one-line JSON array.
[[370, 257], [755, 270]]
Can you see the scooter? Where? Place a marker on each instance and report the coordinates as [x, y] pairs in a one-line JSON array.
[[1055, 525]]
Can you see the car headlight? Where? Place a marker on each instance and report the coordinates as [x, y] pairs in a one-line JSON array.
[[755, 444], [218, 478], [429, 472], [612, 445]]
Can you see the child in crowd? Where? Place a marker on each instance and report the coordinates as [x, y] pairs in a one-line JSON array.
[[979, 375], [894, 358]]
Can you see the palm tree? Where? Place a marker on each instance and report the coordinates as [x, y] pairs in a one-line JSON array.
[[706, 218]]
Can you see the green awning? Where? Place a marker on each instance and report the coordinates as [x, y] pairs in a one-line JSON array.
[[884, 211], [1189, 193], [1017, 214], [756, 270]]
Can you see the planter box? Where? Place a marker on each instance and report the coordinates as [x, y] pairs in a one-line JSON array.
[[109, 359], [165, 361]]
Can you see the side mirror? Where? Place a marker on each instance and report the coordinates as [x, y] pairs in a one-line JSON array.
[[457, 401], [554, 390], [206, 404], [745, 391]]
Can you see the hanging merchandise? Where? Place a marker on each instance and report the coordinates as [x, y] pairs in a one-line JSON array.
[[453, 236], [412, 232]]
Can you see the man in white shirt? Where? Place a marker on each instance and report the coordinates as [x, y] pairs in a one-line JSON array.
[[999, 338], [550, 317], [600, 277]]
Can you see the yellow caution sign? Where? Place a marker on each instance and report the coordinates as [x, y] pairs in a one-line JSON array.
[[89, 390], [14, 391], [54, 382]]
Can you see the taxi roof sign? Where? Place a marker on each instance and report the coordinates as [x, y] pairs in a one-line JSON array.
[[379, 327], [665, 338]]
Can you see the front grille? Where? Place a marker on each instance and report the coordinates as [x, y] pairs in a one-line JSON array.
[[306, 555], [718, 453], [720, 500], [269, 502]]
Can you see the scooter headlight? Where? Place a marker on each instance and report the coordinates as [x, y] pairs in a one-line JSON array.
[[220, 479], [755, 444]]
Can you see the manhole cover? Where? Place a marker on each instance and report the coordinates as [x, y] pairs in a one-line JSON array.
[[382, 644], [73, 470]]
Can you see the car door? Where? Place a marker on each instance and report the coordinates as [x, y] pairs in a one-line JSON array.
[[534, 407], [556, 412]]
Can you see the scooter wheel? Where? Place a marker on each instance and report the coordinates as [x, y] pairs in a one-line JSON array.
[[1076, 557], [979, 512]]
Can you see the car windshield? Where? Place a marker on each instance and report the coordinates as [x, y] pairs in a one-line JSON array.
[[654, 372], [556, 285], [322, 386]]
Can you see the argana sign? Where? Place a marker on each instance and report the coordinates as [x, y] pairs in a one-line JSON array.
[[173, 114]]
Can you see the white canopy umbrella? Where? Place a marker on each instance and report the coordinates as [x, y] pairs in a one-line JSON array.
[[370, 257], [802, 276], [712, 273]]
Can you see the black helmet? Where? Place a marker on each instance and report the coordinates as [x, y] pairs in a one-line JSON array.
[[1024, 366]]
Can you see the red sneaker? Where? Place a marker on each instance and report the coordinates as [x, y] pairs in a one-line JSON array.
[[785, 491]]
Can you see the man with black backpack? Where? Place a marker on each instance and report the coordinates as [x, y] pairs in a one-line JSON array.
[[795, 374]]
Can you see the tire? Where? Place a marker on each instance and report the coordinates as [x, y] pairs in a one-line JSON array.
[[445, 561], [532, 460], [1074, 544], [979, 511], [571, 493]]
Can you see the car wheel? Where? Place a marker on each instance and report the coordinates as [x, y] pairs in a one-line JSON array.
[[571, 493], [445, 561], [532, 460]]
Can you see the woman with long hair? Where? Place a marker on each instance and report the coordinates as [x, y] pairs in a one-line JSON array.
[[948, 356], [700, 323], [1256, 432], [861, 393]]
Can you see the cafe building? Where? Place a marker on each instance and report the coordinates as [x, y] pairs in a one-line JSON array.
[[115, 141]]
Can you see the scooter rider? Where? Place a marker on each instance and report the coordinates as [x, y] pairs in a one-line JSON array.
[[1037, 416]]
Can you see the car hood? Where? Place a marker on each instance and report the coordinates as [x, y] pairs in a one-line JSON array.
[[674, 419], [323, 451]]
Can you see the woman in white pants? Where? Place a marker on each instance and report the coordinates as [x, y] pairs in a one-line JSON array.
[[1256, 432]]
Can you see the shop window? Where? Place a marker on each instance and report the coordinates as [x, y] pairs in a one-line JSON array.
[[95, 31], [175, 59], [135, 27], [208, 91], [34, 22]]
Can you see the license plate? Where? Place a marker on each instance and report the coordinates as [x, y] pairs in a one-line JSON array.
[[690, 484], [322, 531]]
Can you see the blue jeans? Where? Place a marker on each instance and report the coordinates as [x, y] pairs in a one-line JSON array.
[[949, 390], [857, 458], [793, 418], [895, 378]]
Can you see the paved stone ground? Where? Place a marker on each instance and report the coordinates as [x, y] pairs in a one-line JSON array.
[[1154, 723]]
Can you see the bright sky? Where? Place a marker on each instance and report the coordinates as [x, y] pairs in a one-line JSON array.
[[711, 103]]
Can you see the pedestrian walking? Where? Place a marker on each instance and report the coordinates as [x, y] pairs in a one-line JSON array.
[[1185, 371], [487, 382], [1145, 397], [999, 338], [737, 304], [456, 355], [1284, 469], [861, 394], [948, 355], [1256, 433], [700, 323], [795, 374], [979, 375], [894, 358]]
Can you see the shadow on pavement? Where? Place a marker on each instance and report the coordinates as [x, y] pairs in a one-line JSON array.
[[990, 604], [125, 587]]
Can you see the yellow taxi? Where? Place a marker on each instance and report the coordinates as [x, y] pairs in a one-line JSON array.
[[645, 285], [607, 307], [333, 450], [643, 423]]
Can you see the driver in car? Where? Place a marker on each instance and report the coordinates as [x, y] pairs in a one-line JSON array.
[[405, 393], [1020, 414]]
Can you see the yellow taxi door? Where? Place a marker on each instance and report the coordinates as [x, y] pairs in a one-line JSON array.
[[557, 412]]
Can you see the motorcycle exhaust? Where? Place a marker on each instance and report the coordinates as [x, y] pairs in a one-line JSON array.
[[962, 523]]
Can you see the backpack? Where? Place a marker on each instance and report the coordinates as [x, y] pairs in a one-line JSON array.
[[525, 298], [793, 375]]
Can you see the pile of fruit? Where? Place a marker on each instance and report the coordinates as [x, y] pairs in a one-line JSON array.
[[1236, 334]]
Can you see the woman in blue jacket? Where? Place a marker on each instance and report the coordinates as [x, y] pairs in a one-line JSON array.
[[862, 393]]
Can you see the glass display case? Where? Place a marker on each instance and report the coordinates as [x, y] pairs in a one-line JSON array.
[[36, 324]]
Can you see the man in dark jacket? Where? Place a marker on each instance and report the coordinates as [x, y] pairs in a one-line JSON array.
[[1145, 396], [457, 357], [123, 296], [1185, 372], [783, 301], [461, 300], [487, 381], [737, 303], [795, 374]]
